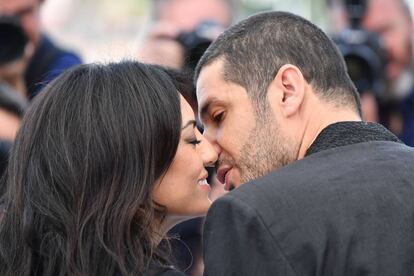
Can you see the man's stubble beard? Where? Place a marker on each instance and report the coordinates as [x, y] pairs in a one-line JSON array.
[[267, 149]]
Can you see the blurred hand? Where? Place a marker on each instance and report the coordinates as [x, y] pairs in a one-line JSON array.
[[10, 124], [12, 73], [369, 107]]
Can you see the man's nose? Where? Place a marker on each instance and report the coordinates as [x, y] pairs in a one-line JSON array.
[[209, 155], [210, 135]]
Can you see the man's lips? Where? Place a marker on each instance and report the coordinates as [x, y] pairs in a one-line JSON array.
[[221, 173]]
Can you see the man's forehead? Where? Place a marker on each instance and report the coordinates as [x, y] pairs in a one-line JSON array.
[[203, 97], [207, 88], [210, 75]]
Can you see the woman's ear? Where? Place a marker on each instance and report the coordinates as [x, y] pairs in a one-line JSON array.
[[287, 90]]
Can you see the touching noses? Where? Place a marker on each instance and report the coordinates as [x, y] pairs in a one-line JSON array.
[[207, 152], [210, 138]]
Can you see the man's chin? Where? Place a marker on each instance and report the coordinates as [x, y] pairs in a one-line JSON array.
[[236, 184]]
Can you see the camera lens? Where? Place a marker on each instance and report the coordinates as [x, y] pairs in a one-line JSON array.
[[12, 39], [360, 72], [197, 41]]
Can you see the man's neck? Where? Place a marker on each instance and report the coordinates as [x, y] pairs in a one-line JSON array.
[[319, 119]]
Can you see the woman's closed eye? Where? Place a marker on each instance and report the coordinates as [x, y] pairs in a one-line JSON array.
[[193, 141]]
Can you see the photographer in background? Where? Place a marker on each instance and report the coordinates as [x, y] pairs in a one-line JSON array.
[[48, 60], [391, 62], [177, 35], [12, 107], [15, 50], [363, 55], [392, 21], [171, 19]]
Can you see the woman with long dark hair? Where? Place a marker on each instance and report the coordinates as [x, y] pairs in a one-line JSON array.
[[106, 161]]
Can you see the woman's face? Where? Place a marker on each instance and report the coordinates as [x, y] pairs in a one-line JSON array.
[[183, 190]]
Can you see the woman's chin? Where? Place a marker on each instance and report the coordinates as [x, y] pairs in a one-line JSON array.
[[200, 210]]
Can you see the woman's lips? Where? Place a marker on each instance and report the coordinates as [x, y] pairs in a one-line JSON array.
[[227, 184], [204, 184]]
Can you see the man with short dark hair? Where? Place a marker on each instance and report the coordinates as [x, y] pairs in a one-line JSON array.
[[328, 194], [48, 60]]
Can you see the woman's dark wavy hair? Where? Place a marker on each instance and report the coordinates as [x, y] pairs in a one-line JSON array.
[[84, 163]]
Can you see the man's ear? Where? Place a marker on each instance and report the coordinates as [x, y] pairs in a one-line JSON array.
[[287, 90]]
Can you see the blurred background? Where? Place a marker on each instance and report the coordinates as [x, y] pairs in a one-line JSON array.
[[109, 30]]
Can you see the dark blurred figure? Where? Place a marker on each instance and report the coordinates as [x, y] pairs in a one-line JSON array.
[[13, 59], [178, 33], [47, 60], [15, 52], [364, 57], [391, 21], [12, 107]]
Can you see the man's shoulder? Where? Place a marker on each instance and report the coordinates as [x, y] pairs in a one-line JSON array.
[[333, 204], [323, 166], [346, 173]]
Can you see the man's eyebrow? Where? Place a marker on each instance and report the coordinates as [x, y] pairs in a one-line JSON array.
[[190, 123]]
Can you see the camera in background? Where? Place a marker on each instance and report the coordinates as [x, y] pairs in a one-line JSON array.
[[196, 42], [13, 40], [362, 51]]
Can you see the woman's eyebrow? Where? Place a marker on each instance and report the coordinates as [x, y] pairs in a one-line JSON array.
[[189, 123]]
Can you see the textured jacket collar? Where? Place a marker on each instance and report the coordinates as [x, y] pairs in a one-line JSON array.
[[348, 133]]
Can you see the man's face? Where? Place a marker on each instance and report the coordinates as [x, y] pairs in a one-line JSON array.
[[28, 12], [387, 18], [249, 145]]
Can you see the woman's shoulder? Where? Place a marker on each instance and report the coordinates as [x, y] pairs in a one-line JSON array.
[[171, 272], [157, 270]]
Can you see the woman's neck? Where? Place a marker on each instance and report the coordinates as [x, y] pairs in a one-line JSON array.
[[165, 225]]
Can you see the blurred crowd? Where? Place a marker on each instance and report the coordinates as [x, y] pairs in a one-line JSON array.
[[375, 37]]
